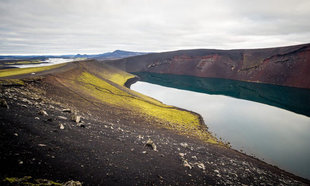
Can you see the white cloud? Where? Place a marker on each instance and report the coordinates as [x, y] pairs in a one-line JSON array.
[[95, 26]]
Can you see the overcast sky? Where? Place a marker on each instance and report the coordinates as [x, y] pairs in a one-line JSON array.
[[97, 26]]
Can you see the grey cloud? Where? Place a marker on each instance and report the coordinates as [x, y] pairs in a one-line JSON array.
[[94, 26]]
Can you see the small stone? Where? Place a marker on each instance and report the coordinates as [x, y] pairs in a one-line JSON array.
[[41, 145], [20, 162], [15, 134], [201, 166], [81, 125], [37, 118], [217, 171], [184, 145], [151, 144], [61, 126], [66, 110], [62, 117], [181, 155], [76, 118], [186, 164], [72, 183], [43, 113], [143, 152]]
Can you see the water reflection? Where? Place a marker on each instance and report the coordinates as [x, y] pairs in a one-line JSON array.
[[292, 99], [278, 136]]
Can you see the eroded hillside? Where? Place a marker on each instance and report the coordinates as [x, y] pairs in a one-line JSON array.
[[287, 66]]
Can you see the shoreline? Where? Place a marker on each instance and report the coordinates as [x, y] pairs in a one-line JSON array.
[[110, 145]]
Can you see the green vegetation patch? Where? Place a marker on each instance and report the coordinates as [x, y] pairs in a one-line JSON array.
[[28, 180], [20, 71], [11, 82], [183, 121]]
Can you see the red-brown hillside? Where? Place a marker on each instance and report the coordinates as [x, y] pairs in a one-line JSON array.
[[287, 66]]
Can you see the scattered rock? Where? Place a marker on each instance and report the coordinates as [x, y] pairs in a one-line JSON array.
[[62, 117], [181, 155], [143, 152], [66, 110], [140, 137], [194, 157], [151, 144], [4, 104], [81, 125], [72, 183], [43, 113], [15, 134], [37, 118], [41, 145], [184, 145], [61, 126], [186, 164], [76, 118], [201, 166]]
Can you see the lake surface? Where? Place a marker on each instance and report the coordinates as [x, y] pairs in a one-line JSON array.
[[258, 127], [47, 62]]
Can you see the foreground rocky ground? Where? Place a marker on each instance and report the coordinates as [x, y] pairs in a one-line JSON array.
[[42, 137]]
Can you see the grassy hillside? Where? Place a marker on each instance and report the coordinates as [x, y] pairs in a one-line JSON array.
[[105, 84]]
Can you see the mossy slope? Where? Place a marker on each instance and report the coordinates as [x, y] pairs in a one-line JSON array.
[[105, 84], [21, 71]]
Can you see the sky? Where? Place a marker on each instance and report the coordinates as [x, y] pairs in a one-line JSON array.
[[98, 26]]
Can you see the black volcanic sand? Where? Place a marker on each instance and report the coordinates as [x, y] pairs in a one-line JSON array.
[[109, 146]]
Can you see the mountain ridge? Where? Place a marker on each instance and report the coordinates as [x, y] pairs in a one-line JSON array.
[[286, 66]]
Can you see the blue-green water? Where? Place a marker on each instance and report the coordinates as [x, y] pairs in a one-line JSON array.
[[278, 136]]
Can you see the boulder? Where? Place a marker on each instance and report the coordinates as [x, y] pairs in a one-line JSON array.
[[61, 126], [43, 113], [76, 118], [151, 144], [66, 110]]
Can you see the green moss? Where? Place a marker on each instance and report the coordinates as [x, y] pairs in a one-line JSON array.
[[20, 71], [11, 82], [28, 180], [183, 121]]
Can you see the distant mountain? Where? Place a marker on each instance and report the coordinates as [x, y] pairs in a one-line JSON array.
[[117, 54]]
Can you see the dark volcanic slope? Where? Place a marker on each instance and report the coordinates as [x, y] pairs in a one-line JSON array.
[[287, 66], [109, 145]]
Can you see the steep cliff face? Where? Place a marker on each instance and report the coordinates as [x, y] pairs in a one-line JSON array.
[[287, 66]]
